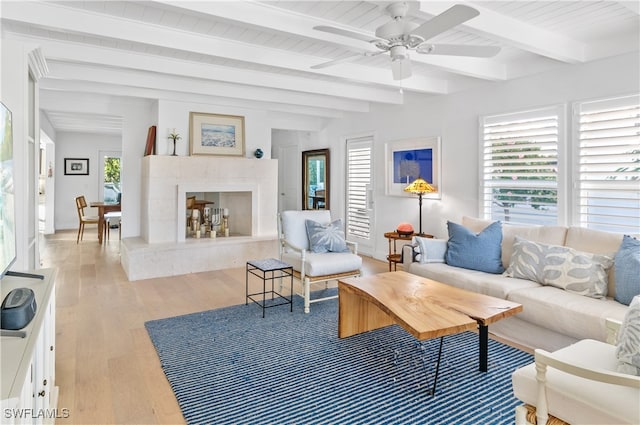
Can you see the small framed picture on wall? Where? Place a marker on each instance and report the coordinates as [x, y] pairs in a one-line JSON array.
[[76, 166]]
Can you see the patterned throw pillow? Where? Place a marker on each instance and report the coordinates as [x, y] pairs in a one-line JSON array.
[[559, 266], [481, 251], [628, 349], [431, 250], [326, 237], [627, 267]]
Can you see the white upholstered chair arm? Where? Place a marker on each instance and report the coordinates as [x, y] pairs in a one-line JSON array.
[[545, 359]]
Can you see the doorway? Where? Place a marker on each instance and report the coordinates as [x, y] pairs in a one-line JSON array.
[[359, 192]]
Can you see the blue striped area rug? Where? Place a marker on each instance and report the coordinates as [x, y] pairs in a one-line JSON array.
[[231, 366]]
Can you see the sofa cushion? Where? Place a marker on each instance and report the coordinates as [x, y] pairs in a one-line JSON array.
[[598, 242], [431, 250], [566, 312], [327, 237], [471, 280], [475, 251], [577, 400], [565, 268], [324, 264], [628, 349], [554, 235], [627, 268]]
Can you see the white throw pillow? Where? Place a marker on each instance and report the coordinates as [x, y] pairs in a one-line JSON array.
[[628, 349], [431, 250], [581, 272]]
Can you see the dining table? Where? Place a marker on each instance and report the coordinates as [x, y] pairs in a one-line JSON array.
[[103, 207]]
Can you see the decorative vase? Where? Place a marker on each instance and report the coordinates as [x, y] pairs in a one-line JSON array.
[[174, 148], [258, 153]]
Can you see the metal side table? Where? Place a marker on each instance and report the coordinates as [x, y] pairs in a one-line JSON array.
[[269, 269]]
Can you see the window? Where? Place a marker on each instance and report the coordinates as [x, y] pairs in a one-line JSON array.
[[608, 164], [110, 176], [520, 166], [359, 187]]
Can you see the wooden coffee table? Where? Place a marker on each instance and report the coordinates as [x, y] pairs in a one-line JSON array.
[[423, 307]]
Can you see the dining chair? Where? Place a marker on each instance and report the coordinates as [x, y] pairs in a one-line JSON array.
[[83, 219], [109, 219]]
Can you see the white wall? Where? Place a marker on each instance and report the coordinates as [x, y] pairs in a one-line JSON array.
[[455, 118], [173, 114]]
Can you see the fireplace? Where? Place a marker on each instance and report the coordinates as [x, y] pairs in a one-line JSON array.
[[246, 187]]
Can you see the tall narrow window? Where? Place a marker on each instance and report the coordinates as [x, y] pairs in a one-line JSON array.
[[359, 188], [608, 180], [520, 166]]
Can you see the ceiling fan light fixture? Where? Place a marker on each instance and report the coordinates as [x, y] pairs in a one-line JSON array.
[[398, 53]]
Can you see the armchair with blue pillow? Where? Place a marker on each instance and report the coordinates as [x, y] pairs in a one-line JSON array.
[[316, 248]]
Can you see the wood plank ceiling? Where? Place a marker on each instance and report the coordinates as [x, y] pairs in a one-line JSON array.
[[262, 52]]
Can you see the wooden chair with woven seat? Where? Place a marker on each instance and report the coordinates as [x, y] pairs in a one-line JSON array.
[[83, 219], [312, 267]]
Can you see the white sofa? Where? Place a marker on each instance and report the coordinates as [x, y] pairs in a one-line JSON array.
[[552, 318]]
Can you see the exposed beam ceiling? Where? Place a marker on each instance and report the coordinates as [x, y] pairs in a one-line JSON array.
[[261, 53]]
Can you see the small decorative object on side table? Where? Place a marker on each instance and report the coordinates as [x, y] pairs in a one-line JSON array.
[[394, 257]]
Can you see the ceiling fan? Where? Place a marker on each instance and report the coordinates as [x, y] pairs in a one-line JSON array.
[[399, 36]]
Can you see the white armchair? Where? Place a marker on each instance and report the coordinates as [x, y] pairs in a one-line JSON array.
[[312, 267], [577, 384]]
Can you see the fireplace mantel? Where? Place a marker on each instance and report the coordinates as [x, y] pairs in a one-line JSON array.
[[161, 249]]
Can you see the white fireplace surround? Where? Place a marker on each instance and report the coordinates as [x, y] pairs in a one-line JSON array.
[[162, 248]]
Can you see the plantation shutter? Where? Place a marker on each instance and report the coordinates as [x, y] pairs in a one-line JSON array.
[[609, 164], [358, 187], [520, 166]]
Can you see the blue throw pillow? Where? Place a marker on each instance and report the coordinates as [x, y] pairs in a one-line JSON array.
[[326, 237], [482, 251], [627, 268]]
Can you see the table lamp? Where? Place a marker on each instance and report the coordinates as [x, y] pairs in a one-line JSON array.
[[420, 186]]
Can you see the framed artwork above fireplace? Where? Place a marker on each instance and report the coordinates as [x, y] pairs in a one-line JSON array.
[[215, 134]]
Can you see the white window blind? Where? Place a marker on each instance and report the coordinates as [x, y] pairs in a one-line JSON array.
[[520, 166], [608, 158], [358, 187]]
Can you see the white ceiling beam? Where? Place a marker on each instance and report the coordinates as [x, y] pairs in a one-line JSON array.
[[513, 32], [111, 57], [63, 87], [157, 81], [271, 17], [92, 24], [633, 6]]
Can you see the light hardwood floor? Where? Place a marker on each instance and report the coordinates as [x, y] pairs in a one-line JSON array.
[[106, 367]]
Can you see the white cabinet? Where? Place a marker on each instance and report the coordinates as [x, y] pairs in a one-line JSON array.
[[29, 394]]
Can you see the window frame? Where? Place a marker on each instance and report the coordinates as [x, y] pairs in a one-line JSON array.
[[560, 111], [575, 160]]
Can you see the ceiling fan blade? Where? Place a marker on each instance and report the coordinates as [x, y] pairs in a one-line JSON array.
[[458, 50], [446, 20], [336, 62], [346, 33], [401, 68]]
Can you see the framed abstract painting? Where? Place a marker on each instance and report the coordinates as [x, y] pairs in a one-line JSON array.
[[406, 160]]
